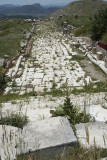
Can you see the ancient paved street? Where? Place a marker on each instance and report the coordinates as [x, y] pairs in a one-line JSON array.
[[50, 65]]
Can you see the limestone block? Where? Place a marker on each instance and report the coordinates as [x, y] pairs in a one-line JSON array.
[[38, 75], [94, 50], [100, 55], [92, 134], [51, 133], [97, 112]]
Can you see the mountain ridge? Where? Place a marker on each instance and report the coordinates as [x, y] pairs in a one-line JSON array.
[[32, 10]]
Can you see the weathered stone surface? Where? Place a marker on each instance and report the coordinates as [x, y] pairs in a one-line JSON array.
[[47, 134], [98, 112], [9, 139], [94, 50], [28, 36], [103, 158], [100, 55], [92, 134], [50, 135], [2, 62]]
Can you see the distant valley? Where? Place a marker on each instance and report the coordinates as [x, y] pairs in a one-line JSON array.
[[31, 10]]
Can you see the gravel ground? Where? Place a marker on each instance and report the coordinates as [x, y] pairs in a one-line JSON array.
[[94, 72]]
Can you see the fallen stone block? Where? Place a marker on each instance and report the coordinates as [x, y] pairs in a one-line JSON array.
[[48, 135], [94, 50], [44, 137], [100, 55], [92, 134]]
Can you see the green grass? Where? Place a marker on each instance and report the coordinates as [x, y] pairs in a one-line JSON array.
[[10, 97], [77, 58], [104, 38], [92, 88], [83, 31], [96, 87], [54, 93], [15, 120], [11, 33], [72, 20]]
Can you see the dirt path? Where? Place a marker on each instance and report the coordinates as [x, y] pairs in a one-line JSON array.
[[93, 71]]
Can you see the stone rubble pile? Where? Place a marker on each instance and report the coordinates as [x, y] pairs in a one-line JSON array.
[[85, 45]]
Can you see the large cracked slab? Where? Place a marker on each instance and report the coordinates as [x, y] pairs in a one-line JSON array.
[[92, 134], [44, 136], [48, 133]]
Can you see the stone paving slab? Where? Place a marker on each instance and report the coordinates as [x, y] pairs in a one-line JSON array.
[[98, 112], [50, 133], [92, 134], [51, 55]]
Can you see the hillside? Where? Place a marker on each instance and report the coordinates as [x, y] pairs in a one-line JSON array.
[[32, 10], [82, 8], [12, 32], [55, 79]]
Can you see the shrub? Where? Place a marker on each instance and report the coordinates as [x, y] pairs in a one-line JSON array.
[[2, 76], [15, 120], [99, 24], [72, 113], [104, 38], [83, 31], [5, 32]]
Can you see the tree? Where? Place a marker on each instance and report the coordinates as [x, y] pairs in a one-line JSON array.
[[72, 113], [99, 24], [2, 76]]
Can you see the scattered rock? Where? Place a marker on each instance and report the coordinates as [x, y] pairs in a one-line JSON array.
[[94, 50], [100, 55]]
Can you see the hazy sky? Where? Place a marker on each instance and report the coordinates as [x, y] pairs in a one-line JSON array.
[[43, 2]]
